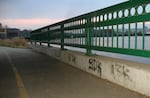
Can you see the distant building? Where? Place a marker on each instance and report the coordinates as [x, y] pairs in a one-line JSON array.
[[3, 33], [25, 34], [12, 32], [6, 32], [0, 26]]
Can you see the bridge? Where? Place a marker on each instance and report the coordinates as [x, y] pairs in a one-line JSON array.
[[68, 59]]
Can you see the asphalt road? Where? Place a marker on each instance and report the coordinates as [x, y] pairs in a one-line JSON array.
[[25, 73]]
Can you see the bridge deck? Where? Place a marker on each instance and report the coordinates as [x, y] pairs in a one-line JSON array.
[[24, 72]]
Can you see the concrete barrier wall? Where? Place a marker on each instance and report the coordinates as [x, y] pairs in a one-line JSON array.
[[131, 75]]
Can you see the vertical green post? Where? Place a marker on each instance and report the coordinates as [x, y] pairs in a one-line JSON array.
[[83, 36], [143, 36], [123, 36], [48, 37], [99, 36], [80, 37], [136, 35], [107, 36], [129, 31], [112, 36], [88, 37], [117, 36], [103, 35], [40, 39], [62, 36], [95, 35]]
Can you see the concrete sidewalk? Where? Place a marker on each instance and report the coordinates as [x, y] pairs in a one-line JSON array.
[[45, 77]]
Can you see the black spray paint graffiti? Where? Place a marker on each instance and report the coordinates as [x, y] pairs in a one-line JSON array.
[[71, 58], [95, 65], [121, 70]]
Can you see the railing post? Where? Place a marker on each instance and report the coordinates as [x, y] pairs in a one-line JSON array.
[[40, 39], [48, 36], [88, 37], [48, 44], [31, 38], [62, 36]]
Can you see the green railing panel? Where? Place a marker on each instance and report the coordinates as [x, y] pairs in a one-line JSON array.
[[123, 28]]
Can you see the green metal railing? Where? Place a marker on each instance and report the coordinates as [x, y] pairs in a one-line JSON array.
[[123, 28]]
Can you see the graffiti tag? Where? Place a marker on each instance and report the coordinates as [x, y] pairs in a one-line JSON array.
[[95, 65], [121, 71], [72, 58]]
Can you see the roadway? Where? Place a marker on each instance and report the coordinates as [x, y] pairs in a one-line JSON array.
[[25, 73]]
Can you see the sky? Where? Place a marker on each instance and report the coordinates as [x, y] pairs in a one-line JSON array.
[[32, 14]]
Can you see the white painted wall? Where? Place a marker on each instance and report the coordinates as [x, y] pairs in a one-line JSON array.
[[131, 75]]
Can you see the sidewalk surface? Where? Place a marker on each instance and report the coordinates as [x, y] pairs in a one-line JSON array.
[[24, 72]]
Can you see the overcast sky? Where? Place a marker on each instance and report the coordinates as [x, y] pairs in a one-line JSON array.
[[32, 14]]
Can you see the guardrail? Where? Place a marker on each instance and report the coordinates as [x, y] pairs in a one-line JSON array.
[[123, 28]]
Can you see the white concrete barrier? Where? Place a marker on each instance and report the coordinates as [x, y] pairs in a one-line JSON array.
[[131, 75]]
